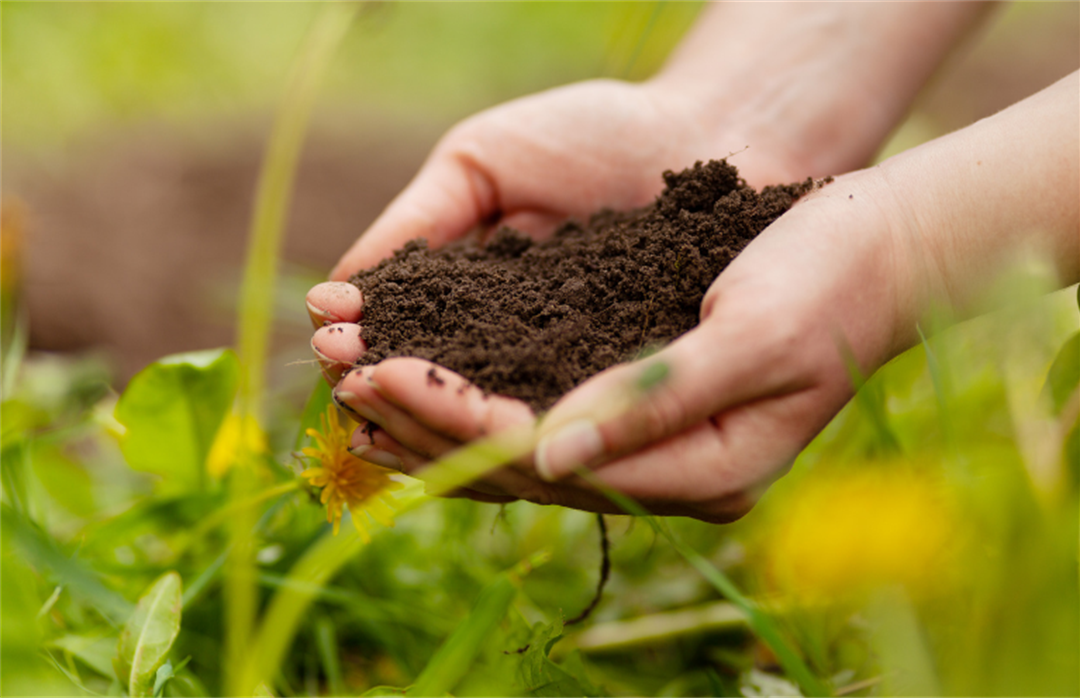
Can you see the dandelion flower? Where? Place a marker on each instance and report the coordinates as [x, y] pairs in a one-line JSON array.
[[348, 482], [844, 535]]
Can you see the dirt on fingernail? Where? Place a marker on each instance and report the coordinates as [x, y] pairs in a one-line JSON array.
[[532, 320]]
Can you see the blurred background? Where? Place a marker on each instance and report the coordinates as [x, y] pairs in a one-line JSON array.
[[132, 134]]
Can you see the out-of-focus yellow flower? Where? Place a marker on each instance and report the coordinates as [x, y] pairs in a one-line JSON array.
[[235, 437], [347, 481], [844, 535]]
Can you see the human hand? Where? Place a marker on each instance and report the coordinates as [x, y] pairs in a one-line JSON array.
[[847, 270], [736, 408], [532, 163]]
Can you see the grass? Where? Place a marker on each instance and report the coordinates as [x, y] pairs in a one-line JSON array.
[[926, 542]]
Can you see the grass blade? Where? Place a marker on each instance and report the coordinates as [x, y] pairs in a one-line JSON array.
[[329, 655], [452, 660]]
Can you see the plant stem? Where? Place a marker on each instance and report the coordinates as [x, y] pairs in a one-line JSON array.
[[272, 200]]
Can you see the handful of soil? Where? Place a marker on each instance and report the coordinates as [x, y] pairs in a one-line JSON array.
[[532, 320]]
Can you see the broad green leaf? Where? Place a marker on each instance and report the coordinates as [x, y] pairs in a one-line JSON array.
[[1063, 378], [149, 634], [172, 410]]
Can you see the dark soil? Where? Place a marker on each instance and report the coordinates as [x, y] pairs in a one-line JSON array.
[[534, 319]]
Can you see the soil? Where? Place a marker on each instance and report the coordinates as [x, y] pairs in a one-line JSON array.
[[532, 320]]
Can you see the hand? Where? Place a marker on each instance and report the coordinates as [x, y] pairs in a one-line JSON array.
[[848, 270], [747, 389]]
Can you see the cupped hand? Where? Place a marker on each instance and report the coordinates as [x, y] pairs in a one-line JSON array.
[[745, 391], [530, 164]]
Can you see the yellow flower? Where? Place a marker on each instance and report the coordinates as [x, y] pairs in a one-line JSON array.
[[846, 534], [347, 481], [234, 437]]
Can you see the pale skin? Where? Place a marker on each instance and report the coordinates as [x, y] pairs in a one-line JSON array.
[[853, 265]]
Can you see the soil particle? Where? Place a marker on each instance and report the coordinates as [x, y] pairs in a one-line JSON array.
[[532, 320], [433, 377]]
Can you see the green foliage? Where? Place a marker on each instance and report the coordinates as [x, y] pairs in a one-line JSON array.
[[172, 411], [1063, 380], [148, 636]]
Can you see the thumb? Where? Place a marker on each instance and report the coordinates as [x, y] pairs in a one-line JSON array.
[[450, 195], [630, 406]]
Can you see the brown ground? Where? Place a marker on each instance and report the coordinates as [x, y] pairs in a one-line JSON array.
[[134, 248], [534, 319]]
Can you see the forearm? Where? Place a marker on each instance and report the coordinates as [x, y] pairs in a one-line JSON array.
[[973, 202], [818, 86]]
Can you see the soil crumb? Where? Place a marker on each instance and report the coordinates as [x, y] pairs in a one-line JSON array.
[[532, 320]]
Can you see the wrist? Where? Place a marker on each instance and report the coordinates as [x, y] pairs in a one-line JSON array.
[[817, 87]]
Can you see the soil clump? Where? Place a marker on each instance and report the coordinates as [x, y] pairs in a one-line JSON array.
[[532, 320]]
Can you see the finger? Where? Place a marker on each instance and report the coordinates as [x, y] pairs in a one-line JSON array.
[[334, 301], [451, 195], [382, 449], [466, 493], [719, 364], [361, 397], [534, 224], [445, 401], [337, 347], [717, 469]]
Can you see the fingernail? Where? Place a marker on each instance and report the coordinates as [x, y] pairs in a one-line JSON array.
[[321, 356], [351, 402], [341, 399], [570, 447], [321, 314], [382, 458]]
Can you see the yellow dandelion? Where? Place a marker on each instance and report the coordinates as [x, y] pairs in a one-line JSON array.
[[845, 535], [347, 481]]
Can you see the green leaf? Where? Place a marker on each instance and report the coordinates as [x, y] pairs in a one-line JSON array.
[[149, 634], [165, 673], [542, 677], [172, 410], [1064, 376], [383, 692]]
